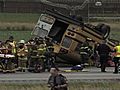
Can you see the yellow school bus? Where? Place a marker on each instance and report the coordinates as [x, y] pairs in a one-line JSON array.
[[68, 34]]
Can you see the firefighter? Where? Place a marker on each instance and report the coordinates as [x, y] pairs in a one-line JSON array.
[[22, 52], [41, 53], [8, 59], [33, 57], [116, 58], [84, 53], [13, 45], [103, 51], [57, 81], [30, 45], [12, 42], [50, 57], [36, 59]]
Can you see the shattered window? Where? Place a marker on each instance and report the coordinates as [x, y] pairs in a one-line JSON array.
[[66, 42], [40, 32]]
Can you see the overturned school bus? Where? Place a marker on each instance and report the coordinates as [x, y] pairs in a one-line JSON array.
[[68, 34]]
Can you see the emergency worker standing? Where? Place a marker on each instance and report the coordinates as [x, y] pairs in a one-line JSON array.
[[42, 48], [57, 81], [50, 55], [116, 58], [41, 53], [33, 62], [84, 53], [103, 52], [36, 55], [8, 61], [22, 52], [12, 42], [13, 48]]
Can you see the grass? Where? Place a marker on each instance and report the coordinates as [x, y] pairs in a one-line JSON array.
[[21, 33], [18, 25], [73, 85], [27, 21], [19, 17], [94, 85], [26, 35], [23, 87], [18, 20]]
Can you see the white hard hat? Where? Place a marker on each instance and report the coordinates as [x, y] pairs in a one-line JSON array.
[[78, 65], [22, 41]]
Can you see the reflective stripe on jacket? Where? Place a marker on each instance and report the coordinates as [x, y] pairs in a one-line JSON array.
[[84, 50], [117, 53]]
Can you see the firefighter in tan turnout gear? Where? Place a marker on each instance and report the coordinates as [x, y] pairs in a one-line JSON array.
[[7, 59], [22, 52]]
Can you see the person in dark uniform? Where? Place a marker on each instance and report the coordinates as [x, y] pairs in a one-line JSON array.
[[57, 81], [103, 52]]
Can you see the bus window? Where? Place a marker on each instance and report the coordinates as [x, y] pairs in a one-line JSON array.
[[66, 42], [57, 31], [40, 32]]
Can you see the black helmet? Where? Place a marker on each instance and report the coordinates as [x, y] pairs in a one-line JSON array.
[[11, 38]]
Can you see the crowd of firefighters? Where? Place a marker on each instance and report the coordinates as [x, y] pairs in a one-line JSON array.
[[35, 55]]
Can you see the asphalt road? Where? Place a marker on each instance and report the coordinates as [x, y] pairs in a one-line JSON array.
[[86, 74]]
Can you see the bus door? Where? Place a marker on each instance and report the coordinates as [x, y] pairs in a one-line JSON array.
[[57, 31]]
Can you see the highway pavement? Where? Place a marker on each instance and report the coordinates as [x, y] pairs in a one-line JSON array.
[[91, 73]]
